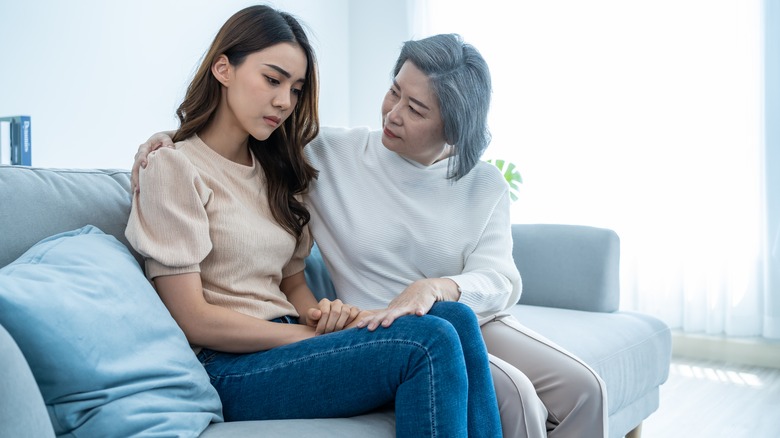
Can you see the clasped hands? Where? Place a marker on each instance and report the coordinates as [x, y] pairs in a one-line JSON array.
[[417, 299], [332, 316]]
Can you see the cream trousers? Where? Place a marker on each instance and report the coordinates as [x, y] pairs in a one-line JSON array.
[[542, 390]]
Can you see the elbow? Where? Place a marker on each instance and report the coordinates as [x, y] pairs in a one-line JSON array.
[[193, 322], [194, 333]]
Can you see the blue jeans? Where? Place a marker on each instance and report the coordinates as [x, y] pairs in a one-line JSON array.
[[429, 366], [484, 419]]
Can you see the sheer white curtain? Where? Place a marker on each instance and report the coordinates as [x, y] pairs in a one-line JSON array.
[[641, 116]]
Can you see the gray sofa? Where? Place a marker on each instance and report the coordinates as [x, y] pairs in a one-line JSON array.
[[570, 295]]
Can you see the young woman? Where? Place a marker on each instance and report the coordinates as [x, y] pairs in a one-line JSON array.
[[230, 190], [409, 216]]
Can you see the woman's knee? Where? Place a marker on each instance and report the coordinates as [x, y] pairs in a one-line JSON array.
[[523, 414], [455, 312], [428, 331], [536, 357], [585, 381], [435, 347]]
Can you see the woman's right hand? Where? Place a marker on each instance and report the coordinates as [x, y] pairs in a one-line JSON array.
[[156, 141]]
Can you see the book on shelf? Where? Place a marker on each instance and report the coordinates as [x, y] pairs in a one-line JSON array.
[[5, 142], [17, 143]]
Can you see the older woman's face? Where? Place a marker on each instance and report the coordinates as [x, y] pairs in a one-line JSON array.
[[411, 118]]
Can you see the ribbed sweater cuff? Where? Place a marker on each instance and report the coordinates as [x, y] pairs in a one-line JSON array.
[[156, 269]]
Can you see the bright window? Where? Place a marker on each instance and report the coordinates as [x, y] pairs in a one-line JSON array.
[[644, 117]]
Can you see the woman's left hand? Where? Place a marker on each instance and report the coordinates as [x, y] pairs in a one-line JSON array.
[[331, 316], [417, 299]]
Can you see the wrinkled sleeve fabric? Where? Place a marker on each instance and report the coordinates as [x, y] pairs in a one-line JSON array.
[[168, 223], [490, 281]]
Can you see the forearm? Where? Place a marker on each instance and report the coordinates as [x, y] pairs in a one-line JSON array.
[[416, 299], [303, 300], [210, 326], [444, 289], [488, 291], [226, 330], [299, 295]]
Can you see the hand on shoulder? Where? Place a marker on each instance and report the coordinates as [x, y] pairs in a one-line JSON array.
[[156, 141]]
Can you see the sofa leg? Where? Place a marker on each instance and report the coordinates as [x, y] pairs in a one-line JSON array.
[[636, 432]]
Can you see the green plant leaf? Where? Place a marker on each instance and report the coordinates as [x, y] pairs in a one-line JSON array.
[[511, 175]]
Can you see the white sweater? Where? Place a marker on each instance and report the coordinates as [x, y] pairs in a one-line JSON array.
[[382, 222]]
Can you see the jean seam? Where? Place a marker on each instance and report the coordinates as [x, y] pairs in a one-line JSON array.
[[329, 352], [432, 396], [367, 344], [208, 357]]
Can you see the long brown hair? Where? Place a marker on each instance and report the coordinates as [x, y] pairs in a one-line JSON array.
[[287, 171]]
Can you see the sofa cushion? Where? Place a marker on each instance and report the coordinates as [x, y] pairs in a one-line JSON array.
[[107, 356], [630, 351], [378, 424], [37, 202]]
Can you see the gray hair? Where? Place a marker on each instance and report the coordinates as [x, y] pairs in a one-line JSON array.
[[461, 81]]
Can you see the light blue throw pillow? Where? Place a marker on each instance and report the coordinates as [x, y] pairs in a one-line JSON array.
[[108, 358], [317, 276]]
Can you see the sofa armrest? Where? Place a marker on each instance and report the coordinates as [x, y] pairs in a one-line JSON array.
[[22, 410], [568, 266]]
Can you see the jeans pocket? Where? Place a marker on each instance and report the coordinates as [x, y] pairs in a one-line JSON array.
[[206, 356]]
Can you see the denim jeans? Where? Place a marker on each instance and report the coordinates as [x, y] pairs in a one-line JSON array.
[[484, 419], [434, 368]]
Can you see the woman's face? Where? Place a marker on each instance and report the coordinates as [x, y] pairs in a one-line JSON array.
[[411, 118], [265, 88]]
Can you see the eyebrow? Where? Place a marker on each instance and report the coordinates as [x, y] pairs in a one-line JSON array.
[[412, 98], [283, 72]]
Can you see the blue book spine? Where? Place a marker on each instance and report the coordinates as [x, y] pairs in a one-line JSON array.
[[25, 137], [21, 139]]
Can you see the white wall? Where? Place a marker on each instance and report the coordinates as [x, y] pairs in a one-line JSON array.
[[98, 77], [377, 30]]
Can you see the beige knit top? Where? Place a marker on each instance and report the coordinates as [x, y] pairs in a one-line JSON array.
[[200, 212]]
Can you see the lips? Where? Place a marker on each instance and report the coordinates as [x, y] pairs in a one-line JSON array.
[[390, 134], [273, 120]]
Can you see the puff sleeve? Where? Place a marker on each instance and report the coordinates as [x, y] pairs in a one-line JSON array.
[[168, 223]]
